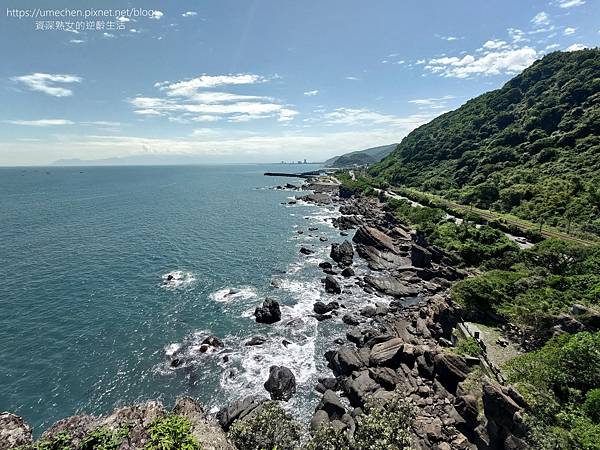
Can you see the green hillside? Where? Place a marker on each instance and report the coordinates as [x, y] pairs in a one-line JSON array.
[[531, 148], [361, 157]]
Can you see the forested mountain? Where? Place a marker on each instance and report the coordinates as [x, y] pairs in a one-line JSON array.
[[361, 157], [531, 148]]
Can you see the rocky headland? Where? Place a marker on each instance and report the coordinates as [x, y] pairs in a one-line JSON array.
[[401, 345]]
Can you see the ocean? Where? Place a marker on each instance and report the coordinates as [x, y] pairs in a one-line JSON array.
[[88, 323]]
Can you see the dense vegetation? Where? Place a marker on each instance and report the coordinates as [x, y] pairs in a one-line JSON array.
[[531, 148], [361, 157], [540, 283], [560, 383], [464, 242]]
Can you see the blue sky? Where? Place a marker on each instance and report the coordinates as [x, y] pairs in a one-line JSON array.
[[260, 80]]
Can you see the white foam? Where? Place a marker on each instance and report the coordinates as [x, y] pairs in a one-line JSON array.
[[177, 279], [228, 294]]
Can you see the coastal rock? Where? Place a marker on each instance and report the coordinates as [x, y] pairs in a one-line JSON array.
[[331, 404], [317, 198], [332, 285], [238, 410], [451, 369], [256, 340], [348, 272], [420, 256], [387, 353], [343, 253], [370, 236], [381, 260], [346, 360], [14, 432], [361, 387], [306, 251], [346, 222], [391, 286], [213, 341], [281, 383], [269, 312], [325, 265], [319, 420]]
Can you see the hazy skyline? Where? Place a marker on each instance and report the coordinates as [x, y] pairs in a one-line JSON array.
[[259, 81]]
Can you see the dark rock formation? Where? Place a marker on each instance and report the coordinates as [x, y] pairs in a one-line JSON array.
[[269, 312], [238, 410], [281, 383], [343, 253], [332, 285]]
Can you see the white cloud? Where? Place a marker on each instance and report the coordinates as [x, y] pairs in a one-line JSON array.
[[449, 38], [432, 102], [421, 61], [133, 30], [570, 3], [363, 117], [516, 35], [108, 35], [189, 14], [495, 44], [311, 93], [123, 19], [569, 31], [40, 122], [507, 61], [156, 15], [575, 47], [47, 83], [192, 100], [552, 47], [541, 19], [352, 78], [77, 41]]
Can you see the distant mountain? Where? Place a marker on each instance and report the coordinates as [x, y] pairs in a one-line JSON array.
[[531, 148], [361, 157]]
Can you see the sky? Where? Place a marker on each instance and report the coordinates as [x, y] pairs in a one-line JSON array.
[[256, 80]]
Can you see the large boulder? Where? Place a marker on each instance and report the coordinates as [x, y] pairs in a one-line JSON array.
[[420, 256], [332, 405], [387, 353], [14, 432], [370, 236], [269, 312], [238, 410], [281, 383], [390, 285], [346, 361], [451, 369], [361, 388], [332, 285], [343, 253]]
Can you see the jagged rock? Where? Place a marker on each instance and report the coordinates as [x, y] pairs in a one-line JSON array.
[[346, 361], [269, 312], [343, 253], [332, 285], [238, 410], [391, 286], [281, 383], [325, 265], [381, 260], [420, 256], [502, 410], [14, 432], [387, 353], [306, 251], [346, 222], [322, 308], [317, 198], [368, 311], [256, 340], [373, 237], [361, 387], [466, 406], [386, 377], [348, 272], [213, 341], [451, 369], [331, 404], [350, 320]]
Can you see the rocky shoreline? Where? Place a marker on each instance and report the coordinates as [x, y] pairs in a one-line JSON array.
[[402, 344]]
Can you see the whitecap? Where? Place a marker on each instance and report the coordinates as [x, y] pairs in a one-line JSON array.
[[228, 294], [177, 279]]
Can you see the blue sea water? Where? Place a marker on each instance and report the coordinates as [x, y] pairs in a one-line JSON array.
[[86, 323]]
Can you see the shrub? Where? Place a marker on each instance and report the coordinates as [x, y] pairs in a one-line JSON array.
[[592, 405], [171, 433], [385, 425], [328, 438], [104, 439], [269, 428], [468, 347]]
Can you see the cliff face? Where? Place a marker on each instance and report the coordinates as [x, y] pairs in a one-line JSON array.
[[530, 148]]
